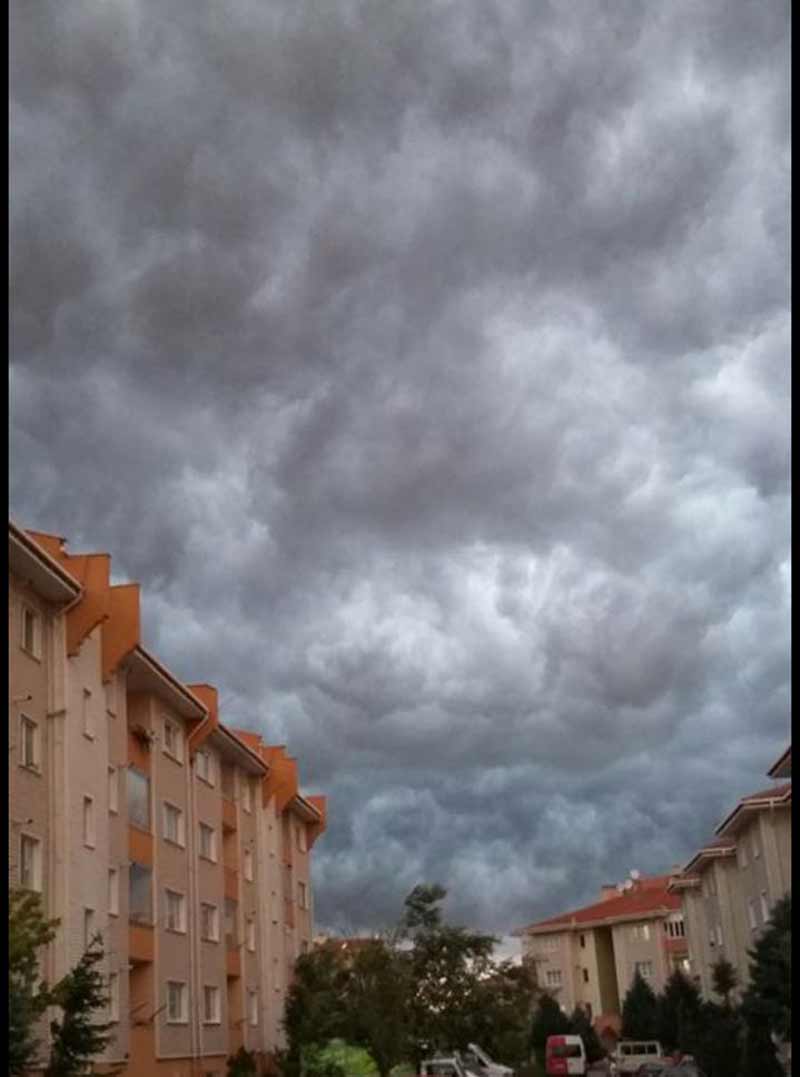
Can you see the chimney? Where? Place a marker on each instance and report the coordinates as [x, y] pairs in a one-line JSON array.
[[608, 891]]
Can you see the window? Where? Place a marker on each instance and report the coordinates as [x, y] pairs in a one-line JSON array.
[[742, 855], [252, 1007], [675, 927], [113, 997], [586, 976], [113, 790], [208, 842], [553, 977], [302, 895], [173, 824], [30, 863], [247, 794], [209, 922], [88, 715], [250, 928], [138, 799], [764, 907], [719, 934], [712, 937], [88, 927], [751, 914], [248, 865], [29, 742], [754, 845], [302, 844], [211, 1007], [88, 822], [231, 934], [640, 932], [583, 942], [644, 968], [31, 632], [177, 1006], [204, 765], [176, 911], [113, 892], [139, 893], [173, 740]]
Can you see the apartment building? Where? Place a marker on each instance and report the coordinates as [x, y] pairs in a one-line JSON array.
[[137, 813], [588, 957], [729, 886]]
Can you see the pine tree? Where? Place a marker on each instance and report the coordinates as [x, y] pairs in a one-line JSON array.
[[639, 1011], [78, 1037], [581, 1025], [28, 996], [759, 1057], [769, 995], [724, 979], [719, 1041], [678, 1008], [549, 1020]]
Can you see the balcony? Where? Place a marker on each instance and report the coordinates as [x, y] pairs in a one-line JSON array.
[[140, 942], [140, 846], [228, 814], [233, 961], [231, 887]]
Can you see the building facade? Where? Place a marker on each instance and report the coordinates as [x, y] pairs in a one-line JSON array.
[[137, 814], [729, 887], [589, 957]]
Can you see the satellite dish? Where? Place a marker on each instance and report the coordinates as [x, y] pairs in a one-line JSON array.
[[628, 884], [635, 873]]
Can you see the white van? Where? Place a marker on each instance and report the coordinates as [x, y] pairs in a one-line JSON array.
[[630, 1054], [478, 1062]]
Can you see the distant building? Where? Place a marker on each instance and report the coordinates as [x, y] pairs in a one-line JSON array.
[[729, 887], [589, 957]]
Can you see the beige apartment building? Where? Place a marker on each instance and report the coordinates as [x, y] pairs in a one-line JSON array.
[[588, 957], [729, 887], [135, 812]]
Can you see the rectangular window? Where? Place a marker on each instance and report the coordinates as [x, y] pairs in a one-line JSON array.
[[764, 907], [247, 794], [140, 893], [553, 977], [211, 1008], [208, 842], [176, 911], [113, 892], [204, 765], [173, 740], [88, 714], [31, 632], [231, 932], [177, 1006], [251, 934], [719, 934], [88, 927], [712, 937], [88, 822], [30, 863], [113, 790], [754, 846], [138, 799], [113, 997], [675, 927], [29, 742], [742, 855], [209, 922], [302, 844], [252, 1007], [751, 914], [173, 824], [583, 942], [248, 865], [644, 968], [586, 976], [302, 895]]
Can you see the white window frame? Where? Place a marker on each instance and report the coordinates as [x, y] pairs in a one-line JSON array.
[[180, 828], [211, 856], [212, 992], [252, 1007], [89, 929], [113, 997], [720, 941], [172, 905], [35, 845], [205, 772], [113, 892], [250, 933], [247, 865], [27, 723], [553, 977], [302, 842], [35, 649], [742, 854], [751, 914], [247, 794], [644, 968], [214, 922], [87, 716], [176, 752], [765, 909], [183, 1003], [755, 849], [302, 894], [113, 789], [89, 828]]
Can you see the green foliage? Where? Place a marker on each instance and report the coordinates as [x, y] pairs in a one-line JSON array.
[[28, 997], [315, 1010], [768, 998], [502, 1021], [78, 1037], [242, 1064], [581, 1025], [759, 1057], [423, 909], [718, 1045], [378, 988], [549, 1020], [678, 1011], [639, 1011], [724, 979]]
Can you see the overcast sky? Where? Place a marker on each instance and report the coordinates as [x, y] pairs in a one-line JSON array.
[[427, 362]]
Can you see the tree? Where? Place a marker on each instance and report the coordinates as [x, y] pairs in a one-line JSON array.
[[769, 995], [678, 1009], [315, 1010], [242, 1064], [28, 997], [724, 979], [505, 1005], [639, 1011], [717, 1046], [377, 995], [78, 1037], [759, 1057], [581, 1025], [549, 1020]]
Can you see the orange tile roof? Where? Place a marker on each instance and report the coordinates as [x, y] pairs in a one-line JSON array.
[[648, 896]]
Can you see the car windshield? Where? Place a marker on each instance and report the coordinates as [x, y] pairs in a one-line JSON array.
[[565, 1050]]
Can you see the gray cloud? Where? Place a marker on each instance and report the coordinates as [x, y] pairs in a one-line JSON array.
[[428, 365]]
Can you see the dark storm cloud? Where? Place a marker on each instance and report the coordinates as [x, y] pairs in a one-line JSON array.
[[428, 365]]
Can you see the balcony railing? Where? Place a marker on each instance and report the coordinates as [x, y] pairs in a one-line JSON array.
[[228, 813], [231, 883]]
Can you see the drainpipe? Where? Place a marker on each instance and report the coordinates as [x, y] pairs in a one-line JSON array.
[[193, 920]]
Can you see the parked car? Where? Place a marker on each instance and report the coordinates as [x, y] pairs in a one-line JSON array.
[[631, 1054], [564, 1055], [478, 1062], [443, 1066]]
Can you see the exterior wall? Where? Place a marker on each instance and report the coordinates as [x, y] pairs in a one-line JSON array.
[[553, 953], [251, 911], [631, 948]]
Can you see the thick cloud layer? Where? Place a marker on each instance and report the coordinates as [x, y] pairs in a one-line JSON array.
[[427, 363]]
